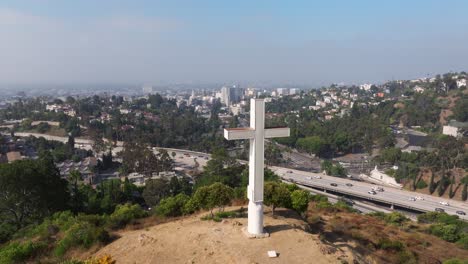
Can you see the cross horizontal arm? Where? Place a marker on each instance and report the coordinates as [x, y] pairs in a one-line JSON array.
[[239, 133], [277, 132]]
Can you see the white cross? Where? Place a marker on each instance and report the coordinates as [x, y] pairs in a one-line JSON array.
[[256, 133]]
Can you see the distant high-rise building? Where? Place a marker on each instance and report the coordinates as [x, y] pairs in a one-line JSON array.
[[225, 95], [230, 95], [147, 89]]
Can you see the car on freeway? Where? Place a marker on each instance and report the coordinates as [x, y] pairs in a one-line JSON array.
[[289, 171], [461, 213], [349, 184], [317, 177], [444, 203], [440, 210], [419, 198], [412, 199], [333, 184], [378, 189], [372, 192], [308, 178]]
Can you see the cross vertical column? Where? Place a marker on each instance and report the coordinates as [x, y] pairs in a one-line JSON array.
[[256, 135], [256, 167]]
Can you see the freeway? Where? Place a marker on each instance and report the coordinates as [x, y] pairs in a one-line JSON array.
[[390, 196]]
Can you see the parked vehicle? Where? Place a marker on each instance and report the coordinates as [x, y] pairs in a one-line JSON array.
[[372, 192], [333, 184], [440, 210], [461, 213], [349, 185]]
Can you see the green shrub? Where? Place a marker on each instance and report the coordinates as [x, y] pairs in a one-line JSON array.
[[191, 206], [319, 198], [455, 261], [124, 214], [394, 218], [172, 206], [421, 184], [463, 241], [324, 205], [388, 244], [16, 252], [82, 234], [448, 233], [6, 231]]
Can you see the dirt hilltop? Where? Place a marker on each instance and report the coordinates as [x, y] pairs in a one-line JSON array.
[[191, 240]]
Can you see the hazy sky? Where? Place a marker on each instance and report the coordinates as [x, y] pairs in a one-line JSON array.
[[299, 42]]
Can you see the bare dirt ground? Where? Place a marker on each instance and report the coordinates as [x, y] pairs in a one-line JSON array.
[[191, 240]]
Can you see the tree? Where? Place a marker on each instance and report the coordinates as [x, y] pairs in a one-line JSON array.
[[31, 190], [155, 190], [202, 200], [276, 195], [215, 195], [71, 142], [460, 111], [75, 197], [221, 195], [272, 154], [300, 200], [313, 145]]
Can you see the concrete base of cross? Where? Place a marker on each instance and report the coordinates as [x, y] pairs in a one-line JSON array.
[[249, 235]]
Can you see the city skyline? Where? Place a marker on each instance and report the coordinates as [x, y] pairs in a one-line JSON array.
[[309, 43]]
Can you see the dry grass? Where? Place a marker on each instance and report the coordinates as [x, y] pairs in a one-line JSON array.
[[367, 233]]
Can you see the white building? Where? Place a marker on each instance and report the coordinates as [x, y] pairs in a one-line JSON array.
[[461, 82], [455, 129], [147, 89], [419, 89], [379, 177], [282, 91], [365, 87]]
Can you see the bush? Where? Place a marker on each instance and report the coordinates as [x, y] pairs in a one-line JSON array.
[[172, 206], [19, 252], [300, 200], [6, 231], [421, 184], [388, 244], [319, 198], [463, 242], [124, 214], [191, 206], [324, 205], [82, 234], [448, 233], [455, 261], [394, 218]]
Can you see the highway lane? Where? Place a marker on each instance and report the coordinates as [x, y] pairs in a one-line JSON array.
[[359, 189], [389, 195]]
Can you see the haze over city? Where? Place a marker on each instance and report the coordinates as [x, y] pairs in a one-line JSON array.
[[262, 42]]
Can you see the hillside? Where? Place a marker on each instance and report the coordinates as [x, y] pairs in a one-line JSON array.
[[191, 240]]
